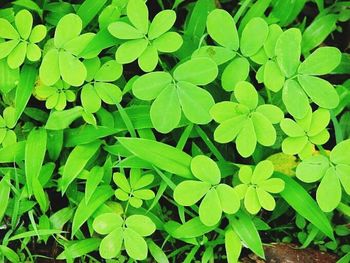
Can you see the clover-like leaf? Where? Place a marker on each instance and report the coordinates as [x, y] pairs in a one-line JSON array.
[[189, 192], [107, 222], [322, 61], [205, 169], [312, 169], [295, 99], [195, 102], [236, 71], [210, 209], [165, 110], [328, 194], [141, 224], [288, 50], [161, 23], [246, 94], [253, 36], [150, 85], [111, 245], [198, 71], [320, 91], [340, 153], [222, 28]]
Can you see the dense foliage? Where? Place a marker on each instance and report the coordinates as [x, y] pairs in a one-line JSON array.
[[173, 130]]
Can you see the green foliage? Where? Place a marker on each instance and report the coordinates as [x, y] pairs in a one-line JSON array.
[[228, 128], [332, 172], [257, 186]]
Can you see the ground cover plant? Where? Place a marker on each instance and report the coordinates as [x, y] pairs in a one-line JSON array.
[[173, 131]]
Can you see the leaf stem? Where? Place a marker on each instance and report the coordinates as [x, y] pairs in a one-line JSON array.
[[337, 129], [209, 143]]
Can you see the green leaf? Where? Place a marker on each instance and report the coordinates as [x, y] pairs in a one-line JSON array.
[[141, 224], [111, 245], [103, 39], [72, 69], [219, 54], [205, 169], [318, 31], [79, 248], [297, 197], [9, 77], [40, 195], [273, 77], [295, 99], [320, 91], [233, 246], [273, 113], [137, 13], [319, 121], [108, 92], [107, 222], [38, 34], [156, 252], [123, 30], [135, 245], [34, 155], [159, 154], [161, 23], [24, 23], [59, 120], [264, 130], [236, 71], [4, 194], [312, 169], [24, 88], [130, 50], [322, 61], [195, 102], [328, 194], [245, 228], [89, 99], [246, 94], [222, 28], [150, 85], [76, 162], [12, 153], [7, 31], [291, 128], [94, 179], [251, 201], [109, 71], [192, 228], [210, 210], [265, 199], [49, 70], [9, 254], [228, 130], [228, 198], [269, 46], [198, 71], [89, 9], [85, 210], [246, 139], [339, 154], [68, 28], [17, 55], [168, 42], [287, 50], [253, 36], [189, 192], [165, 110], [148, 60]]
